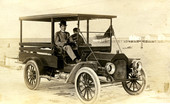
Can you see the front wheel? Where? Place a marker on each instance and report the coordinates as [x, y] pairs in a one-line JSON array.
[[31, 75], [136, 85], [87, 85]]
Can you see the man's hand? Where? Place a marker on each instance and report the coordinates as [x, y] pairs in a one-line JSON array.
[[63, 43]]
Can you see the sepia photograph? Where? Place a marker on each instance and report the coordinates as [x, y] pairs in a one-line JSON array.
[[84, 52]]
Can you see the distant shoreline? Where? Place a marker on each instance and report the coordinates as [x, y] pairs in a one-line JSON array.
[[118, 39]]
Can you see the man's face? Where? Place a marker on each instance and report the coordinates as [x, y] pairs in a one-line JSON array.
[[77, 32], [63, 27]]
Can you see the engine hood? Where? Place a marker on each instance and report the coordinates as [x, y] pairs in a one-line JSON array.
[[104, 57]]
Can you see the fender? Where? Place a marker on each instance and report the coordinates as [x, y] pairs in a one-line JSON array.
[[91, 64], [31, 58], [38, 62]]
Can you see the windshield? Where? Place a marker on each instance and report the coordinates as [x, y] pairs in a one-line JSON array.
[[97, 32]]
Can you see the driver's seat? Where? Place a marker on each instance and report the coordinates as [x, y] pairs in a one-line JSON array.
[[63, 56]]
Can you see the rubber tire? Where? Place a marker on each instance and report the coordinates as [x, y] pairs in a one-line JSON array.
[[137, 92], [37, 68], [96, 82]]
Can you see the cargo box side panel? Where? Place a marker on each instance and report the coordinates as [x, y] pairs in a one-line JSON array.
[[47, 60]]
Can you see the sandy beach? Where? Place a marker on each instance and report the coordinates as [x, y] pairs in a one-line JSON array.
[[14, 91]]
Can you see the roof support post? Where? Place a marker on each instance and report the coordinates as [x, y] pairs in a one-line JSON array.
[[78, 24], [52, 34], [111, 34], [20, 31], [52, 31], [87, 31], [21, 35]]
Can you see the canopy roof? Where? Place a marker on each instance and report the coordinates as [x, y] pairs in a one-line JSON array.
[[65, 16]]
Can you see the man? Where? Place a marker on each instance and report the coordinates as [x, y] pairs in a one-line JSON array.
[[76, 37], [76, 40], [61, 38]]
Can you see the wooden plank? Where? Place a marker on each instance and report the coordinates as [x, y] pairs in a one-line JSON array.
[[95, 47], [35, 50], [38, 47], [101, 49], [43, 44]]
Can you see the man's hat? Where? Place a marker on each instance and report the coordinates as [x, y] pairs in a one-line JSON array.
[[62, 22]]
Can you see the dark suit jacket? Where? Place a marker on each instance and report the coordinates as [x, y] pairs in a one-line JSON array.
[[78, 39], [61, 37]]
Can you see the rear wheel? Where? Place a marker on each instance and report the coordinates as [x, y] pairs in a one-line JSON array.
[[87, 85], [136, 86], [31, 75]]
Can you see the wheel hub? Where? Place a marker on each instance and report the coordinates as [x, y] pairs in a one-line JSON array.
[[86, 86], [32, 75]]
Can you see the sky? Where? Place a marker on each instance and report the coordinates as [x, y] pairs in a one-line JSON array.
[[134, 17]]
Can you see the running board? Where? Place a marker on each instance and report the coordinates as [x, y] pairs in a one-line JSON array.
[[49, 78]]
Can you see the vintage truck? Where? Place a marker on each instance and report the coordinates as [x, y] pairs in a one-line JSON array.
[[43, 59]]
